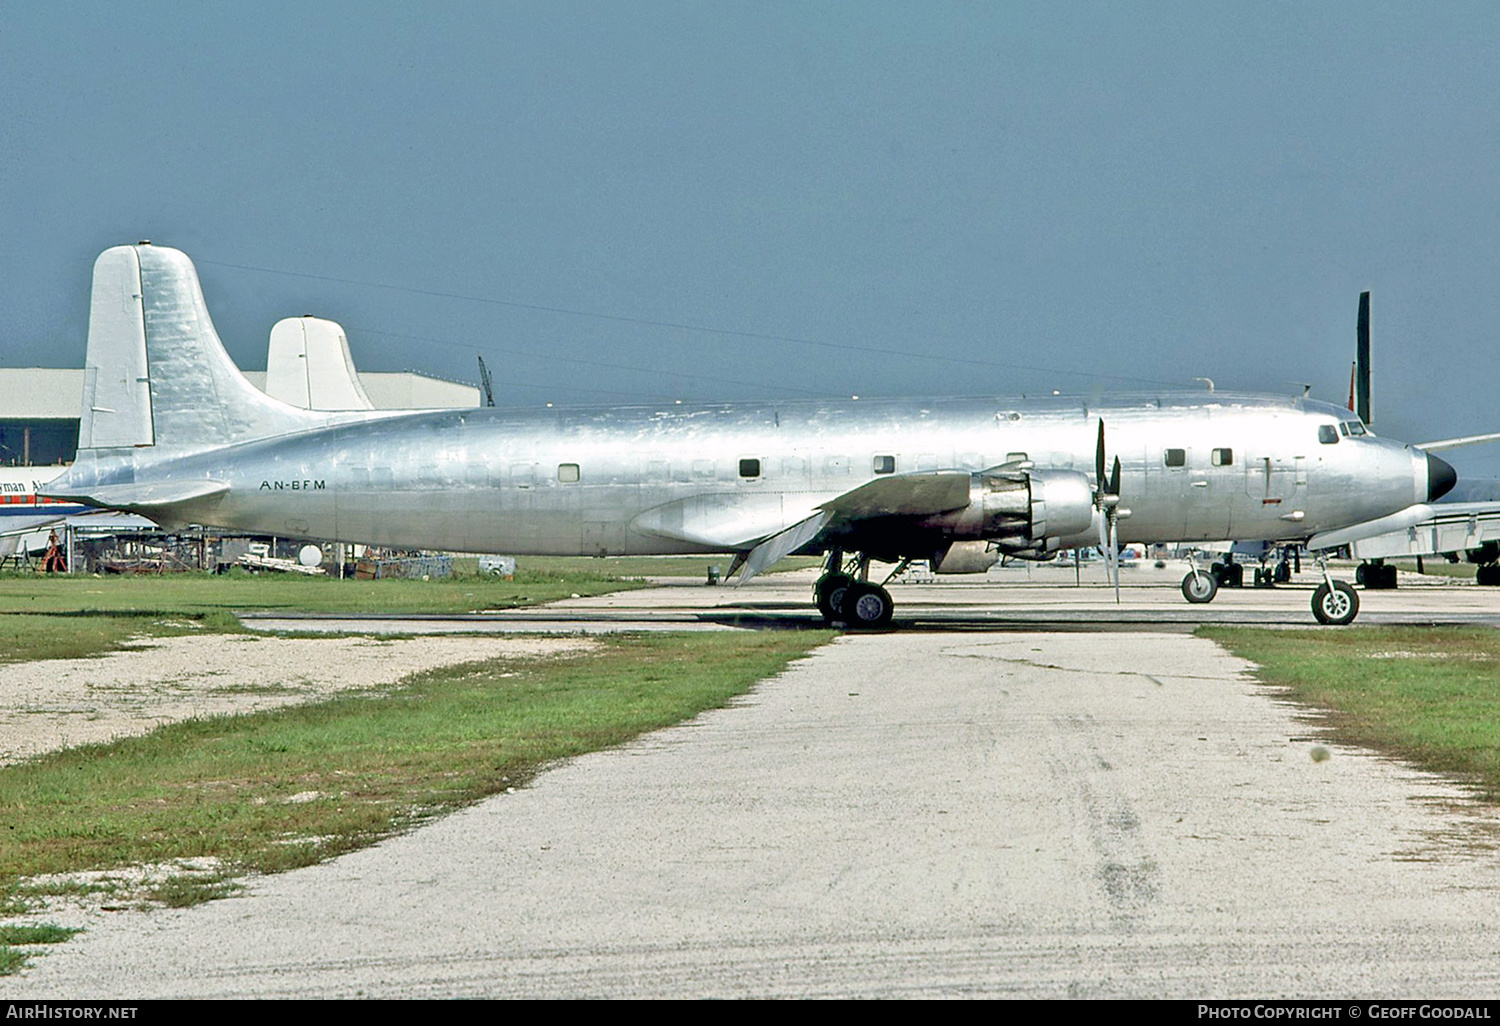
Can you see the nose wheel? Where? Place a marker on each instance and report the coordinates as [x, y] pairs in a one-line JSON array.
[[1335, 604]]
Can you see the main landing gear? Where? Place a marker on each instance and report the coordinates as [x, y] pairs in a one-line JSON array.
[[850, 598]]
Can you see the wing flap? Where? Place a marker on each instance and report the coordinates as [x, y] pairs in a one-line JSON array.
[[778, 545]]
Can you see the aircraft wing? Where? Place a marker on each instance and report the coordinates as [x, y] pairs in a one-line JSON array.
[[922, 494], [1451, 527], [738, 521], [1454, 443]]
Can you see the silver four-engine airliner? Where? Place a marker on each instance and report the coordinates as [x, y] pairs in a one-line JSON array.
[[172, 430]]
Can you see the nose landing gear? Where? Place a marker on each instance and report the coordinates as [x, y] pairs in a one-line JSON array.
[[1334, 603]]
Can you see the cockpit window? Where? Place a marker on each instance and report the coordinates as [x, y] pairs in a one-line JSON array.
[[1328, 434], [1355, 427]]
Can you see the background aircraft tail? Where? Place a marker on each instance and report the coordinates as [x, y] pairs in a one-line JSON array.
[[308, 365], [156, 373]]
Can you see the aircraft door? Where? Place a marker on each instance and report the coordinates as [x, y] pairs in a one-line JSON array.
[[1274, 480]]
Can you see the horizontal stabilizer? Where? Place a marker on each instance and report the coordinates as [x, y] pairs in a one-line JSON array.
[[773, 548], [921, 494], [146, 496]]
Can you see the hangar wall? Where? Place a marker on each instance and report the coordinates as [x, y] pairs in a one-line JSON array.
[[39, 407]]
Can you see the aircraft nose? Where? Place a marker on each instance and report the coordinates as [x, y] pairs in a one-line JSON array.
[[1441, 477]]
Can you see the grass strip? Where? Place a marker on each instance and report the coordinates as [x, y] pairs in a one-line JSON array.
[[28, 637], [204, 594], [275, 790], [1426, 695]]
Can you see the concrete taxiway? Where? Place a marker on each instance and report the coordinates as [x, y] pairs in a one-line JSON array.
[[1018, 596], [964, 811]]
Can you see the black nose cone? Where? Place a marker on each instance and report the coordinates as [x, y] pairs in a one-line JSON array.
[[1440, 478]]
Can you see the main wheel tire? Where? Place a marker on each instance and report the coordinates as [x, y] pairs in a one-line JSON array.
[[867, 606], [1335, 606], [829, 593], [1198, 587]]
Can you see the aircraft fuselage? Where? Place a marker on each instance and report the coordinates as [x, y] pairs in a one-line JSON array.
[[678, 478]]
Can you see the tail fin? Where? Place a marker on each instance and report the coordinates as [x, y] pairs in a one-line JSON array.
[[308, 365], [156, 373]]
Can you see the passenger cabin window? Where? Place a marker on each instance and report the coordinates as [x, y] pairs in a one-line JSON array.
[[1176, 457], [567, 473], [1328, 434], [885, 464], [1223, 458], [749, 468]]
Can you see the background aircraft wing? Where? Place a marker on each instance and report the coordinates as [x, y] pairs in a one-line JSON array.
[[1451, 527], [1454, 443]]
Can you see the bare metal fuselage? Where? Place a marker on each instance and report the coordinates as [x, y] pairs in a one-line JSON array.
[[675, 479]]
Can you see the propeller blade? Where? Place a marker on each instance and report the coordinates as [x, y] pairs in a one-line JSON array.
[[1114, 481], [1099, 458]]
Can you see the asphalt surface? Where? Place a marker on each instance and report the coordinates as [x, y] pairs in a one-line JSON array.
[[953, 811]]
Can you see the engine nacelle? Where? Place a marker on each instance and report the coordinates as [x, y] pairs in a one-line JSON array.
[[965, 557], [1019, 510]]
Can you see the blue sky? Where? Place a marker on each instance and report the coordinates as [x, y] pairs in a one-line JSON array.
[[626, 202]]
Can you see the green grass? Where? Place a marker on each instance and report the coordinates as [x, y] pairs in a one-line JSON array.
[[188, 601], [275, 790], [26, 637], [1427, 695], [202, 594], [62, 617], [14, 937]]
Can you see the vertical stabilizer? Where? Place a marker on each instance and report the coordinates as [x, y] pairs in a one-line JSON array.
[[1362, 360], [308, 365], [156, 372], [116, 387]]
